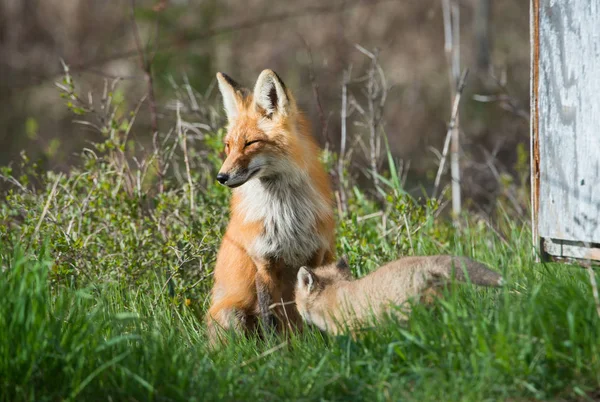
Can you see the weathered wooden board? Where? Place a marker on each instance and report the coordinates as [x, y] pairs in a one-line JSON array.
[[566, 120]]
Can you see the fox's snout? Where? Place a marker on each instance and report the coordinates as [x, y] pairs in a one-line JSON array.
[[238, 169], [234, 171], [236, 177], [222, 178]]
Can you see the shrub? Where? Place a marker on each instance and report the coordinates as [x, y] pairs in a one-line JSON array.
[[133, 216]]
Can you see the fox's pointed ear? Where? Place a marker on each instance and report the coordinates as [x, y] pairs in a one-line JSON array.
[[232, 95], [270, 94], [306, 279]]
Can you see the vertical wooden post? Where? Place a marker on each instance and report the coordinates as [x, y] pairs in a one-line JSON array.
[[534, 23]]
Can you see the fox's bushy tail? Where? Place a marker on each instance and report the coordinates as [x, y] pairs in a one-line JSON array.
[[478, 273]]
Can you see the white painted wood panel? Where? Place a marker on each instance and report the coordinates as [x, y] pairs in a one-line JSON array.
[[568, 119]]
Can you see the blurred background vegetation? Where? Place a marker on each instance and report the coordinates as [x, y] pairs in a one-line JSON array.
[[309, 43], [113, 201]]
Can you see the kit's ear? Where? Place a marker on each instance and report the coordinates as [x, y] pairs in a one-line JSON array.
[[306, 280], [342, 263], [232, 95], [270, 95]]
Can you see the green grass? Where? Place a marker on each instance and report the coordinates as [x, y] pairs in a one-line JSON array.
[[104, 279], [536, 338]]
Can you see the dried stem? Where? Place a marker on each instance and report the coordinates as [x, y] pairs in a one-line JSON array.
[[264, 354], [14, 181], [316, 93], [451, 127], [412, 249], [375, 91], [146, 67], [343, 139], [505, 99], [451, 16], [182, 133], [373, 124], [594, 287], [46, 207], [589, 267], [482, 35]]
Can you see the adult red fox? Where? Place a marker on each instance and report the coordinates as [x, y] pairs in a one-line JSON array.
[[281, 207], [331, 299]]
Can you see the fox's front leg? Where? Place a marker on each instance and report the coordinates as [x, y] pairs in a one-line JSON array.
[[265, 302], [268, 291]]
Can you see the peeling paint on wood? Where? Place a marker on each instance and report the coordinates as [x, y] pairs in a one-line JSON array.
[[566, 120]]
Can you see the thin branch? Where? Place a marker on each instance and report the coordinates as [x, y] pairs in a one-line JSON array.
[[138, 40], [455, 143], [369, 216], [451, 16], [14, 181], [504, 98], [372, 115], [451, 127], [412, 249], [316, 94], [146, 67], [46, 207], [482, 35], [587, 263], [343, 140], [264, 354], [594, 284], [183, 138]]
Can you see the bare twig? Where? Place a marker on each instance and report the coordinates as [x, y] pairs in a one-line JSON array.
[[343, 140], [373, 124], [316, 94], [146, 67], [46, 207], [182, 133], [482, 35], [264, 354], [338, 202], [202, 278], [124, 163], [412, 249], [451, 15], [375, 91], [369, 216], [594, 284], [509, 194], [490, 225], [589, 267], [14, 181], [287, 318], [504, 98], [451, 127]]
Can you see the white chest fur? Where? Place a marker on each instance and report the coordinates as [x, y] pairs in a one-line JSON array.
[[290, 212]]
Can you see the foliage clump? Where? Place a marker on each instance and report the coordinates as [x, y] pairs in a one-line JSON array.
[[135, 214]]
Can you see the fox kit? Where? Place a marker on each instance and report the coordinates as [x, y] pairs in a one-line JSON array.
[[281, 214], [329, 298]]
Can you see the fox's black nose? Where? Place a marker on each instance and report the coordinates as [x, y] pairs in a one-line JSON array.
[[222, 178]]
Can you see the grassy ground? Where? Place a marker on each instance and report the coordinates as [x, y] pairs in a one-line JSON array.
[[105, 271], [538, 338]]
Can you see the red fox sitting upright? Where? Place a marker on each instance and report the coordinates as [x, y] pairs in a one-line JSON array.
[[281, 207]]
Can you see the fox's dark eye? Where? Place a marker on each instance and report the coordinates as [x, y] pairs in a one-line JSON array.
[[226, 148], [250, 143]]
